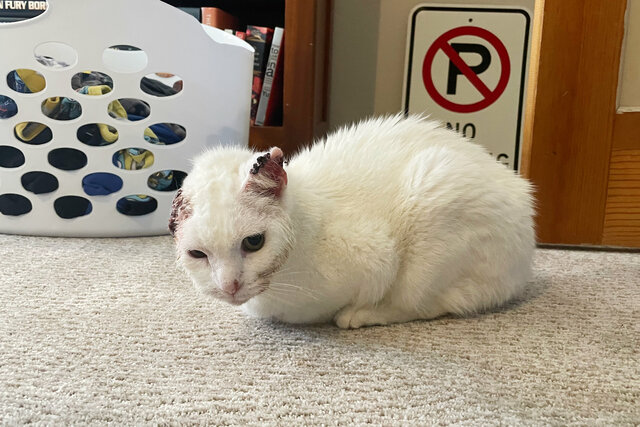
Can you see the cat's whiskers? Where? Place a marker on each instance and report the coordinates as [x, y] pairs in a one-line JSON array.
[[288, 272], [289, 292], [278, 298], [288, 288], [291, 285]]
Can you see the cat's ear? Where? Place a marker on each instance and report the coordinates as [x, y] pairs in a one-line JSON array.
[[180, 210], [267, 176]]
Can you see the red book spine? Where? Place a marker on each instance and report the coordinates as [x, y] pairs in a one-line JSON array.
[[219, 18]]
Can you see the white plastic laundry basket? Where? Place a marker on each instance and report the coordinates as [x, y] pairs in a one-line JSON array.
[[133, 43]]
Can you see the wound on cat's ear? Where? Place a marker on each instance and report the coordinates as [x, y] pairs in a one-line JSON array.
[[180, 210], [267, 175]]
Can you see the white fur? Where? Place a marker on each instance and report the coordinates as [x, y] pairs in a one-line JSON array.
[[386, 221]]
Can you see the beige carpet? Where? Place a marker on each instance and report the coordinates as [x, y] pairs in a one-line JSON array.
[[102, 331]]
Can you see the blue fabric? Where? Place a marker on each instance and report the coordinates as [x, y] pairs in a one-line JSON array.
[[69, 110], [61, 108], [39, 182], [101, 184], [8, 107], [134, 118], [81, 82], [161, 181], [136, 205], [90, 134], [68, 207], [67, 159], [156, 88], [166, 135], [14, 205], [132, 158], [10, 157], [16, 83], [167, 180], [135, 108], [42, 137]]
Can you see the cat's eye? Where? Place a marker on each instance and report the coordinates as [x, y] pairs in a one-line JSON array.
[[253, 243], [196, 254]]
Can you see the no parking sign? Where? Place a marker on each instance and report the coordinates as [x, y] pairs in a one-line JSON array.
[[467, 66]]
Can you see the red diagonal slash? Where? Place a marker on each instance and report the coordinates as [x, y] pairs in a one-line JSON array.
[[489, 96], [465, 69]]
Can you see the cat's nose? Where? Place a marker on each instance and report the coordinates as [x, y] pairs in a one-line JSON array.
[[231, 287]]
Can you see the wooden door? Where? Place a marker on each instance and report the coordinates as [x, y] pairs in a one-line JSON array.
[[583, 157]]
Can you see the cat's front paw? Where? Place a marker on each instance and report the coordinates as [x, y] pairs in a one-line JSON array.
[[343, 317], [351, 317]]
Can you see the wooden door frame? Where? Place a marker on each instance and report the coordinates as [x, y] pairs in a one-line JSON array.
[[570, 116]]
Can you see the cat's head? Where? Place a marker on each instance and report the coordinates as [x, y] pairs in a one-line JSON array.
[[231, 229]]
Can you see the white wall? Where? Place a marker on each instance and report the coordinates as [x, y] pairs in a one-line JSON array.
[[353, 61], [629, 90]]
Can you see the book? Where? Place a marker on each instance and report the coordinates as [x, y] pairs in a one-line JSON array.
[[270, 104], [260, 39], [241, 34], [13, 11], [218, 18]]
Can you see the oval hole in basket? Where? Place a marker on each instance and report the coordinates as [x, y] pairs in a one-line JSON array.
[[92, 83], [33, 133], [8, 107], [133, 159], [161, 84], [39, 182], [24, 80], [10, 157], [55, 55], [165, 133], [166, 180], [124, 58], [61, 108], [97, 134], [67, 159], [101, 184], [14, 204], [136, 205], [68, 207], [130, 109]]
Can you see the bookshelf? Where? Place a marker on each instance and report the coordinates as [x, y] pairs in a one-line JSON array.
[[307, 26]]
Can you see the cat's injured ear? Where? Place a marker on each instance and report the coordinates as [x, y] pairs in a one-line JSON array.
[[267, 175], [180, 210]]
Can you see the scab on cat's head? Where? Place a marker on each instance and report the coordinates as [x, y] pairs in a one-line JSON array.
[[260, 162]]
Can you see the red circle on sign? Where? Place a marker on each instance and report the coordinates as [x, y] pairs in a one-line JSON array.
[[490, 96]]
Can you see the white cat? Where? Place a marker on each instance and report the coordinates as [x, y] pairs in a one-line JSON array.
[[387, 221]]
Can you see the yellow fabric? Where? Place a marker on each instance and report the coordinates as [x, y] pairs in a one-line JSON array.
[[108, 133], [148, 132], [26, 131], [99, 90], [50, 105], [133, 161], [117, 110], [34, 80]]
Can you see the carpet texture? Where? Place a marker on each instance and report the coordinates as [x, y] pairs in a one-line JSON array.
[[98, 331]]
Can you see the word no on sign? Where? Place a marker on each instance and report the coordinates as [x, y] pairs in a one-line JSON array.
[[467, 66]]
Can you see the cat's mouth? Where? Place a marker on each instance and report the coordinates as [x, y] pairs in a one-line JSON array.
[[243, 295], [237, 301]]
